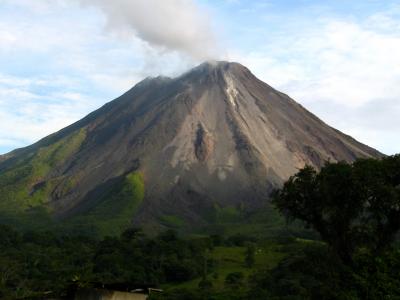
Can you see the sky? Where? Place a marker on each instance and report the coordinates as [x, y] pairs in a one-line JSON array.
[[62, 59]]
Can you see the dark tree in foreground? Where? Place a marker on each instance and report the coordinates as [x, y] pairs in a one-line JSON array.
[[352, 206]]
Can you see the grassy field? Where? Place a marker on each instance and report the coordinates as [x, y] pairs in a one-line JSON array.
[[232, 259]]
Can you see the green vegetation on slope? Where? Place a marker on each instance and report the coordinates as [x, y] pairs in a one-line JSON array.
[[25, 189], [26, 185], [227, 214], [172, 221], [114, 212]]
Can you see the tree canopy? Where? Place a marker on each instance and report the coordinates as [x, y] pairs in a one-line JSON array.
[[352, 206]]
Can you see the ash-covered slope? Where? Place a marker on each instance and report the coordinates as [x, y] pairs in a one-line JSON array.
[[215, 136]]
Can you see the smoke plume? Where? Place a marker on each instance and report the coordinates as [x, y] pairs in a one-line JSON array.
[[173, 25]]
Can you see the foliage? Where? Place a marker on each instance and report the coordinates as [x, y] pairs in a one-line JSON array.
[[313, 271], [356, 210], [250, 255], [25, 188], [113, 214], [227, 214], [352, 206], [377, 277], [234, 279], [309, 273], [35, 263], [26, 184], [172, 221]]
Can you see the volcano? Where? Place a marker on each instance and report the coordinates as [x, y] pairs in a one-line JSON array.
[[172, 150]]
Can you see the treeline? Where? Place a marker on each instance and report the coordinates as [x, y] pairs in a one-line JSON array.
[[38, 265], [44, 263]]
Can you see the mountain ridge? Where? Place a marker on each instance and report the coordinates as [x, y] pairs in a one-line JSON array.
[[215, 136]]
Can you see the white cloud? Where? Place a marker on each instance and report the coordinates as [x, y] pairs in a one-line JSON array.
[[173, 25], [26, 116]]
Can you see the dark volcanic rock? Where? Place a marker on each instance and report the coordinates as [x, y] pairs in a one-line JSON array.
[[202, 144]]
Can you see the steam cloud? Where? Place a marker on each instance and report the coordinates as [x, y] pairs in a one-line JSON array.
[[172, 25]]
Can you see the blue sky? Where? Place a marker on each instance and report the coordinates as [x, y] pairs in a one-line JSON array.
[[61, 59]]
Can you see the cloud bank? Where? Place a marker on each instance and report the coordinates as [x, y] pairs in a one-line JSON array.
[[173, 25], [347, 72]]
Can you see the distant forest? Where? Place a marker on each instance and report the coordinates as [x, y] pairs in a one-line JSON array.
[[351, 210]]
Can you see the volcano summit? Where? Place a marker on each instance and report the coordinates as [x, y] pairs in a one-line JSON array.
[[172, 149]]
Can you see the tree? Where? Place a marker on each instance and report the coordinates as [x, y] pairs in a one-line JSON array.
[[234, 279], [352, 206], [132, 234], [249, 259], [205, 287]]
